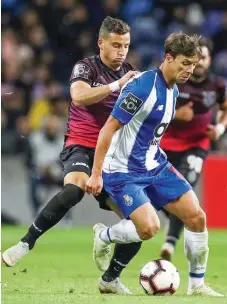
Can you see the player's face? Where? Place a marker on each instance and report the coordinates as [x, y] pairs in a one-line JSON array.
[[182, 67], [115, 48], [203, 64]]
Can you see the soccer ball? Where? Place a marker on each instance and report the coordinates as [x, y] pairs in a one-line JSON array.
[[159, 277]]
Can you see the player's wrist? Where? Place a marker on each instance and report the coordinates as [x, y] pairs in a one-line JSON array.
[[220, 129], [97, 173], [114, 86]]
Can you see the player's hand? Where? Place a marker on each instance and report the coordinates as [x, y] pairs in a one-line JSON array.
[[212, 132], [94, 185], [126, 77], [185, 112]]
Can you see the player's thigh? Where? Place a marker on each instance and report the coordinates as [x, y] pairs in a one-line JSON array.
[[131, 199], [145, 219], [188, 210], [166, 186], [191, 163], [77, 165]]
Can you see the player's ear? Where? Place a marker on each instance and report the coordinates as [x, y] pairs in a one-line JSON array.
[[169, 58], [100, 43]]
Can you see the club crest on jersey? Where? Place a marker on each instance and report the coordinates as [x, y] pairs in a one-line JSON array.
[[128, 200], [130, 104], [81, 70]]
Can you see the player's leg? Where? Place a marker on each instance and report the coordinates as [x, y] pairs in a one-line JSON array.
[[71, 194], [196, 247], [189, 164], [143, 223], [128, 237], [123, 254]]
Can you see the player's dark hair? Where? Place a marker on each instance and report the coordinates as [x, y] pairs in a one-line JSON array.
[[113, 25], [205, 42], [182, 44]]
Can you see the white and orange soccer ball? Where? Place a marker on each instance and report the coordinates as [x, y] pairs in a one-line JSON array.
[[159, 277]]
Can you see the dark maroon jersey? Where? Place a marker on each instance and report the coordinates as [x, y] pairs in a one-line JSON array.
[[181, 136], [85, 123]]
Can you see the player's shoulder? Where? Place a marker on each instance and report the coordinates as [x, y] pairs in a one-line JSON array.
[[217, 80], [146, 78], [85, 68], [87, 62]]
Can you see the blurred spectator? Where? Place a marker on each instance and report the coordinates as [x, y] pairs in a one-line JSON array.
[[43, 164], [42, 40], [45, 105]]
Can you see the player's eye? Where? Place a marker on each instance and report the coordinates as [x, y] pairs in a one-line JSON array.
[[116, 45], [186, 63], [127, 46]]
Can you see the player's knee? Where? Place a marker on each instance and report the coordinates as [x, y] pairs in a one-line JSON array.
[[149, 231], [70, 195], [198, 222]]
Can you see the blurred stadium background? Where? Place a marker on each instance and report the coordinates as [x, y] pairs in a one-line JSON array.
[[41, 41]]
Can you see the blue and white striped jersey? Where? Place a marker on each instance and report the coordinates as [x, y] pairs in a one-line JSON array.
[[145, 107]]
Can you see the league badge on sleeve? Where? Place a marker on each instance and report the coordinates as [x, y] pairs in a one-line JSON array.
[[81, 70], [131, 104]]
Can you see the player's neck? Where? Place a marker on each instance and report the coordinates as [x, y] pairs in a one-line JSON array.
[[170, 82], [112, 67]]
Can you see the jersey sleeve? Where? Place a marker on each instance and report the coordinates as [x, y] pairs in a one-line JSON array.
[[221, 90], [82, 71], [132, 97]]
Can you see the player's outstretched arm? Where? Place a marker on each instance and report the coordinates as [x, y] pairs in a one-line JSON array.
[[94, 184], [83, 94]]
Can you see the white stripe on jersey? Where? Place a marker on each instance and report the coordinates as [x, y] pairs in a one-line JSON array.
[[124, 139]]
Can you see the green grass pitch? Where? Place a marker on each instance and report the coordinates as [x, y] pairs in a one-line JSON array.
[[60, 270]]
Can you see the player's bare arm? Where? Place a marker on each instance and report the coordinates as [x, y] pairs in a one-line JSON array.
[[214, 132], [83, 94], [95, 183]]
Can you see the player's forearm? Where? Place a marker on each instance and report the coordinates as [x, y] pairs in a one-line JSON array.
[[91, 96], [223, 118], [103, 144]]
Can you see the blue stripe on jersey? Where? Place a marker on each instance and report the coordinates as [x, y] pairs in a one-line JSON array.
[[137, 158]]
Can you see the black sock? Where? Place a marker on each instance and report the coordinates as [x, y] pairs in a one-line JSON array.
[[53, 212], [123, 253], [175, 228]]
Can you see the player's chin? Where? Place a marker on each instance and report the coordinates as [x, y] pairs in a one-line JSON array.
[[119, 60], [182, 79]]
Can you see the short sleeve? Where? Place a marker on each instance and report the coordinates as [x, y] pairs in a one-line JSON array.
[[131, 99], [82, 71]]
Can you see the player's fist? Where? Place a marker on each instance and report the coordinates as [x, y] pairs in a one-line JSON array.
[[94, 185], [126, 77], [185, 112]]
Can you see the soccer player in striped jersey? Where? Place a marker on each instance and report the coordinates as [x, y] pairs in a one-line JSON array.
[[136, 172]]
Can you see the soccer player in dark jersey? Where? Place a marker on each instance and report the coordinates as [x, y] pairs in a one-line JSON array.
[[187, 139], [95, 85]]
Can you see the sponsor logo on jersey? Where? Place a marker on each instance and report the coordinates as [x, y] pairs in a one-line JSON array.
[[131, 104], [80, 164], [97, 84], [160, 108]]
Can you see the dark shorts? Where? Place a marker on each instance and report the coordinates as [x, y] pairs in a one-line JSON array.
[[77, 158], [189, 163]]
